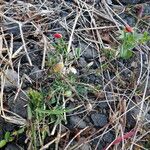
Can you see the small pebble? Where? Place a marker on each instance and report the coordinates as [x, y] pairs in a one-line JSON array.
[[76, 121], [108, 137], [99, 120], [11, 78]]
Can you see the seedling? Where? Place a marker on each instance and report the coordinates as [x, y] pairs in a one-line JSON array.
[[130, 40], [9, 137]]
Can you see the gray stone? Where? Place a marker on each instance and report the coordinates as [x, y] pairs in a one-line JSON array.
[[99, 120], [85, 146], [130, 2], [88, 51], [108, 137], [36, 73], [131, 20], [11, 146], [16, 46], [103, 105], [12, 28], [11, 78], [98, 144], [76, 121], [82, 63], [18, 105], [134, 112], [146, 9]]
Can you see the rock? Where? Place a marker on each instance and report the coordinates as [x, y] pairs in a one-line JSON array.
[[146, 11], [130, 2], [25, 69], [98, 144], [103, 105], [108, 137], [36, 73], [11, 78], [94, 79], [12, 28], [85, 146], [95, 64], [99, 120], [82, 63], [88, 51], [76, 121], [19, 105], [16, 46], [35, 53], [134, 112], [129, 19], [11, 146]]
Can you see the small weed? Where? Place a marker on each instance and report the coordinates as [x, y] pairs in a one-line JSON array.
[[46, 106], [130, 40], [61, 47], [109, 53], [77, 53], [9, 137]]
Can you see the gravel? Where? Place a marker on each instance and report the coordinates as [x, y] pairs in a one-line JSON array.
[[76, 121], [108, 137], [99, 120], [11, 146], [11, 78], [82, 63], [134, 112], [88, 51], [18, 105], [103, 105], [36, 73]]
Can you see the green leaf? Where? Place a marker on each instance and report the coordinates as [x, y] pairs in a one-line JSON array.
[[125, 53], [20, 131], [7, 136], [68, 93], [2, 143], [11, 139], [145, 38], [53, 112]]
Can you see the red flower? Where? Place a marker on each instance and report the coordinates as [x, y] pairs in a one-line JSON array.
[[57, 35], [128, 28]]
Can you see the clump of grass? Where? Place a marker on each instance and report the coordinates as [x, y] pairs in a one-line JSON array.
[[40, 116]]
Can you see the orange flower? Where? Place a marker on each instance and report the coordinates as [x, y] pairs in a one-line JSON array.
[[128, 28], [57, 35]]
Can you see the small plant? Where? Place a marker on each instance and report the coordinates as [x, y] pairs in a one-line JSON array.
[[9, 137], [36, 130], [129, 40], [60, 45], [109, 53], [44, 108]]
